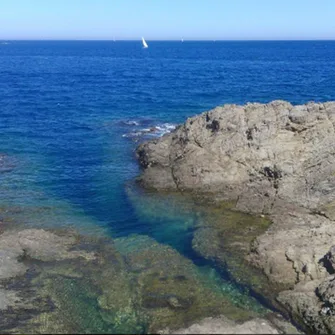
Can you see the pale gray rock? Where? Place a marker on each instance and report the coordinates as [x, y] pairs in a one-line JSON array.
[[313, 303], [8, 298], [223, 325], [261, 155], [47, 246], [9, 264], [294, 252], [275, 159], [35, 243]]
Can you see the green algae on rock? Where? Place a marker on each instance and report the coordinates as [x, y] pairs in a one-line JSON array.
[[213, 229], [169, 216], [81, 284], [172, 290], [70, 287], [225, 237]]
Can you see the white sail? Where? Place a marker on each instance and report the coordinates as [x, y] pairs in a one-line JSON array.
[[145, 45]]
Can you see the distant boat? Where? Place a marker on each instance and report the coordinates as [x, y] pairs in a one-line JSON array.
[[182, 40], [114, 39], [145, 45]]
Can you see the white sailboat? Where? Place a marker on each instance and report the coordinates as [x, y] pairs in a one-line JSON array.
[[145, 45], [182, 40]]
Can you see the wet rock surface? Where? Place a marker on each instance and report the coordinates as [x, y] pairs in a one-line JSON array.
[[61, 282], [224, 236], [271, 159], [172, 290]]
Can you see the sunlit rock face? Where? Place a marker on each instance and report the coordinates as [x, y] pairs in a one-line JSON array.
[[261, 155], [275, 160]]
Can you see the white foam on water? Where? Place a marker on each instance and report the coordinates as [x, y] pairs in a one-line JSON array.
[[131, 123], [133, 134], [155, 131]]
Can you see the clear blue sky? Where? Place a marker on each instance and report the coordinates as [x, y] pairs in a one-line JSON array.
[[167, 19]]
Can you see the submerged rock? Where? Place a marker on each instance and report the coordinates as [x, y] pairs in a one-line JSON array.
[[36, 244], [65, 283], [172, 290], [224, 237]]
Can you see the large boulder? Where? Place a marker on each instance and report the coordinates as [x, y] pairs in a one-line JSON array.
[[264, 156], [272, 159]]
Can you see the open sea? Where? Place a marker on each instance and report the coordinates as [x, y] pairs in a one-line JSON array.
[[73, 112]]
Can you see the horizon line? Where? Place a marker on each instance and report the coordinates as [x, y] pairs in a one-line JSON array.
[[163, 40]]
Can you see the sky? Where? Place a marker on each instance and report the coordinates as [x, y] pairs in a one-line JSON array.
[[167, 19]]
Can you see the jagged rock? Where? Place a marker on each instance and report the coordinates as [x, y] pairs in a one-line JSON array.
[[261, 155], [304, 305], [326, 292], [313, 303], [330, 260], [294, 253], [275, 159]]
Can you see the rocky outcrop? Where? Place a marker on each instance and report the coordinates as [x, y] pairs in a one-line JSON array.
[[312, 301], [271, 159], [262, 156]]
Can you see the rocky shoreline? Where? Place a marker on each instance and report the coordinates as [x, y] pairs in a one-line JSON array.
[[62, 283], [273, 160]]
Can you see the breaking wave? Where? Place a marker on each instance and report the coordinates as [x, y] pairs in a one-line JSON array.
[[147, 128]]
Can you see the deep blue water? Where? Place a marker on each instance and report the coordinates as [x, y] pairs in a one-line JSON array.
[[64, 107], [70, 113]]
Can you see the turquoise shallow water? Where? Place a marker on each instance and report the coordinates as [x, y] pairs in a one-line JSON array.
[[72, 113]]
